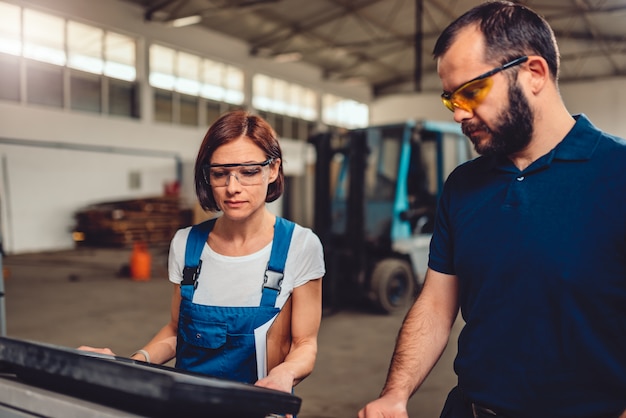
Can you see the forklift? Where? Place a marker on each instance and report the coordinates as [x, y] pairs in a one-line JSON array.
[[376, 192]]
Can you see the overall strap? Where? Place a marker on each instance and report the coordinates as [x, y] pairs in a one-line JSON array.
[[283, 230], [195, 243]]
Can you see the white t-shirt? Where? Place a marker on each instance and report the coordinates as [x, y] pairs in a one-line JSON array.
[[238, 281]]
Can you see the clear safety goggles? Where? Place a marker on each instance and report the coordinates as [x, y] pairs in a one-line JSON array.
[[247, 174]]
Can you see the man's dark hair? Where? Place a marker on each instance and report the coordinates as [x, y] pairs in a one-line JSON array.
[[511, 30]]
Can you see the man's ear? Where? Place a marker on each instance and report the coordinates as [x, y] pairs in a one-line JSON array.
[[539, 73]]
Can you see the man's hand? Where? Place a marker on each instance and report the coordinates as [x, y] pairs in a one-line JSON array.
[[623, 415], [385, 407]]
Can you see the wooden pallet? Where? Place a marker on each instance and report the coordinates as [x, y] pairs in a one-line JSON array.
[[121, 223]]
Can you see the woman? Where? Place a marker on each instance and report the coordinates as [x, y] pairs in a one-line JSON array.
[[226, 305]]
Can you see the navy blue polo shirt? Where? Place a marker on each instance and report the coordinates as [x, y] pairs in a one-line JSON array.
[[540, 255]]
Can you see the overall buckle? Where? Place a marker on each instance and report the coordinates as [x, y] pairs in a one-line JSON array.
[[273, 280], [190, 274]]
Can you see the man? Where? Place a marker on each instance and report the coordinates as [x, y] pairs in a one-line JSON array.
[[529, 242]]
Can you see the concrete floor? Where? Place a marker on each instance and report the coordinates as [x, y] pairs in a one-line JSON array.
[[79, 297]]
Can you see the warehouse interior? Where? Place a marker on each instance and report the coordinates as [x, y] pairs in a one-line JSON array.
[[103, 106]]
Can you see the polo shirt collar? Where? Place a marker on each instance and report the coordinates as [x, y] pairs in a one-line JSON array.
[[580, 142], [578, 145]]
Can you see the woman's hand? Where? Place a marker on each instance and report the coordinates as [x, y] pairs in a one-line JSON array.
[[97, 350], [277, 381]]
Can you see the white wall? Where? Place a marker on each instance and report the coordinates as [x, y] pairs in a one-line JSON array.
[[40, 198], [604, 102], [402, 107], [54, 162]]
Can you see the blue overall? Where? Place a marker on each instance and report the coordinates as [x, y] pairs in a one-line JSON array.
[[219, 341]]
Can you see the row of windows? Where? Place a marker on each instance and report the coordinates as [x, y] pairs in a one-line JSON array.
[[51, 61], [39, 83], [278, 96], [174, 107], [47, 38], [193, 75], [190, 74]]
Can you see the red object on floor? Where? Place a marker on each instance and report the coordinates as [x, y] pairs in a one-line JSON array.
[[140, 262]]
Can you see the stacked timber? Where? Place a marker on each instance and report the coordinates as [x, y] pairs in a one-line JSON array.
[[152, 220]]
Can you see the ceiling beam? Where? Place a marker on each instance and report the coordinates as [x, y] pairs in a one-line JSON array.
[[419, 17], [288, 31], [150, 11]]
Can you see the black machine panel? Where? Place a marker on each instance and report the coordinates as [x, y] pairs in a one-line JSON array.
[[137, 387]]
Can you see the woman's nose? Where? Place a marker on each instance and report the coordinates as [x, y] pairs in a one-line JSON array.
[[233, 183]]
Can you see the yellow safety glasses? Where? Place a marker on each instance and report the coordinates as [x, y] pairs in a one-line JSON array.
[[469, 95]]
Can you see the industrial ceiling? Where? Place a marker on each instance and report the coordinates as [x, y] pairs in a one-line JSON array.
[[387, 44]]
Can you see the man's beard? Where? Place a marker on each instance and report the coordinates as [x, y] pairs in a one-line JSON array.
[[513, 130]]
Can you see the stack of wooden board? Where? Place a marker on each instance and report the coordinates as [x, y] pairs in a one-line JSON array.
[[152, 220]]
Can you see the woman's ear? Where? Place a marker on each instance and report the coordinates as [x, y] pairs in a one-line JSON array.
[[274, 169]]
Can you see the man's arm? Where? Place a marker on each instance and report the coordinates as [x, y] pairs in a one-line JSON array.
[[421, 341]]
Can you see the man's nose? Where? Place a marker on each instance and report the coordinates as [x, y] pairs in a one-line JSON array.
[[462, 113]]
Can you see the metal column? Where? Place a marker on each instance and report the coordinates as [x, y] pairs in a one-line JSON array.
[[3, 324]]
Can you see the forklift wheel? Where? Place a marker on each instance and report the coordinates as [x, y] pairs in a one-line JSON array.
[[392, 286]]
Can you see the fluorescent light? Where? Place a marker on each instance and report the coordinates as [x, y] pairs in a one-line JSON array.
[[185, 21], [288, 57]]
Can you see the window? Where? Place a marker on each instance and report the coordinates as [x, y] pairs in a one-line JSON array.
[[212, 76], [192, 77], [162, 67], [51, 51], [9, 77], [84, 46], [279, 125], [163, 109], [280, 97], [344, 113], [213, 111], [86, 92], [188, 110], [289, 108], [44, 84], [44, 37], [288, 127], [120, 54], [123, 98], [188, 71], [10, 40], [233, 84]]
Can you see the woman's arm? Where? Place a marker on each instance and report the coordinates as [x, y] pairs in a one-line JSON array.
[[306, 316], [162, 347]]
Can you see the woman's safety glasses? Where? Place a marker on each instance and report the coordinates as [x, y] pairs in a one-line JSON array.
[[471, 94], [247, 174]]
